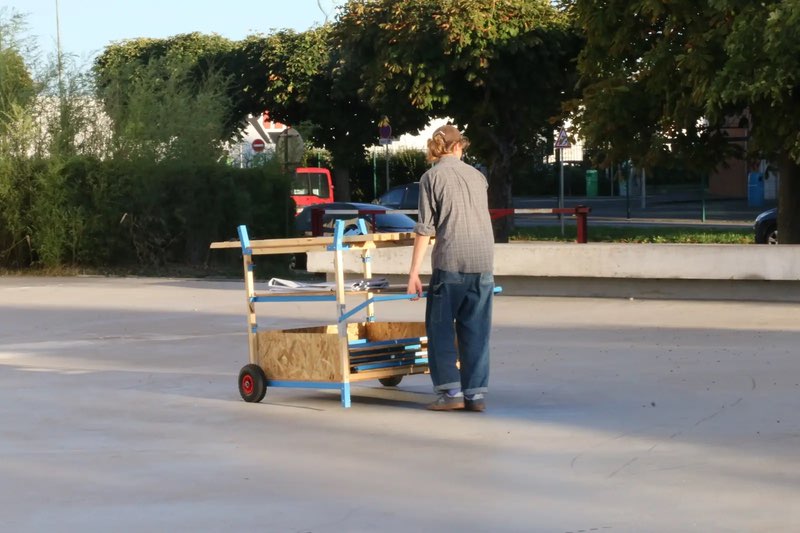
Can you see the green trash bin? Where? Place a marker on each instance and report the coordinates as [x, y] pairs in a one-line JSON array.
[[591, 183]]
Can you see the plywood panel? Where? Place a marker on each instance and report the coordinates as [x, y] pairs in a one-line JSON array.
[[382, 331], [304, 354], [300, 356]]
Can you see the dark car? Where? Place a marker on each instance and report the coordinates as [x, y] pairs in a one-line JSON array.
[[401, 197], [377, 223], [766, 227]]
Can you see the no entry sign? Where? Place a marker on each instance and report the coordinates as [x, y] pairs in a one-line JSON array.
[[258, 145]]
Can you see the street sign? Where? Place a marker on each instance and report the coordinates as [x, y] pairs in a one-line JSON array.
[[562, 141], [258, 145], [384, 132]]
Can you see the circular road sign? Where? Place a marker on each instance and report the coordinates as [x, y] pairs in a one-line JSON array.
[[258, 145]]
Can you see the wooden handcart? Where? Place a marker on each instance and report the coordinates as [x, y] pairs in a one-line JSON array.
[[328, 356]]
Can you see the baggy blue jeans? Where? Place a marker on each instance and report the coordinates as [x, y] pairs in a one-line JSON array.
[[459, 307]]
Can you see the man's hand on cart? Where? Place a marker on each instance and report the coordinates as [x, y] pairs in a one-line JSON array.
[[414, 286]]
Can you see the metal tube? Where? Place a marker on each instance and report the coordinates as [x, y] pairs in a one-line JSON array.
[[561, 187], [387, 167]]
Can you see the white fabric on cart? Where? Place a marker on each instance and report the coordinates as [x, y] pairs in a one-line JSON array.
[[287, 285]]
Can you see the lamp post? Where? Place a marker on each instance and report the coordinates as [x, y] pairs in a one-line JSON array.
[[385, 134]]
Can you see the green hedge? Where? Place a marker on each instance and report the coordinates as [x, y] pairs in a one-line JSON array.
[[88, 212]]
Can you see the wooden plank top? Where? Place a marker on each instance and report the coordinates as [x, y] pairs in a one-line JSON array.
[[309, 244]]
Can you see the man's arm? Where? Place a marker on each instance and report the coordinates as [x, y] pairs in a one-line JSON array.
[[423, 231], [417, 255]]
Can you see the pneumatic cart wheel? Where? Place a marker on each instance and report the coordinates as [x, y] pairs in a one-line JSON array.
[[252, 383], [392, 381]]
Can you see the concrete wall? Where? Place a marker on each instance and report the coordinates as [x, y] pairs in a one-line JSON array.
[[749, 272]]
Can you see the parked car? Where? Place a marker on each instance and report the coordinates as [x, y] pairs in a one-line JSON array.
[[766, 227], [382, 223], [378, 223], [401, 197]]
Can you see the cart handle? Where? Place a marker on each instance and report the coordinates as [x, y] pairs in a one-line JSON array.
[[390, 297]]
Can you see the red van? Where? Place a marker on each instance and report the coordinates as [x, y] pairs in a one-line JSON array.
[[311, 185]]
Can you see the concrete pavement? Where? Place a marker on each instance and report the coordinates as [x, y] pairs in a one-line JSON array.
[[119, 412]]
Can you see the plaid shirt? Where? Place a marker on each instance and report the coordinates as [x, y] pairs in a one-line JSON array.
[[454, 206]]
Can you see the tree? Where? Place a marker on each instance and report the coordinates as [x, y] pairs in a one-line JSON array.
[[17, 88], [167, 98], [671, 74], [501, 69], [304, 77], [288, 73]]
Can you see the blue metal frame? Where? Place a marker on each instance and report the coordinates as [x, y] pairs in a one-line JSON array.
[[356, 344], [390, 364], [244, 239], [344, 388], [385, 350], [379, 298], [388, 298], [338, 235]]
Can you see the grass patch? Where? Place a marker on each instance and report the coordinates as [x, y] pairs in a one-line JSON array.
[[652, 234]]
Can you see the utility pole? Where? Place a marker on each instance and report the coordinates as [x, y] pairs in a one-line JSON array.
[[385, 135], [59, 56], [62, 137], [562, 142]]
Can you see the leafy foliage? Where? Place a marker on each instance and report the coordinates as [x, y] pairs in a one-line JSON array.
[[16, 85], [674, 74], [77, 188], [163, 113], [500, 68]]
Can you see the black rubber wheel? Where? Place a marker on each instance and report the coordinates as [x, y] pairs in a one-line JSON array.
[[772, 234], [392, 381], [252, 383], [768, 234]]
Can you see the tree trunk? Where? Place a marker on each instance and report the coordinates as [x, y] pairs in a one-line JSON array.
[[789, 201], [500, 194], [341, 183]]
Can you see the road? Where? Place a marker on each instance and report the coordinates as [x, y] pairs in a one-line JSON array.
[[685, 210], [119, 412]]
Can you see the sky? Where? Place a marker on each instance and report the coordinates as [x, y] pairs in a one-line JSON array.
[[87, 26]]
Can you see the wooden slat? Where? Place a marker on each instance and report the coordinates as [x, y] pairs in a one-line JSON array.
[[308, 244]]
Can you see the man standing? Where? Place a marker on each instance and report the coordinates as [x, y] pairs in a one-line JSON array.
[[454, 206]]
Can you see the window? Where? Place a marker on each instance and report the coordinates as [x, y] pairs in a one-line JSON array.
[[310, 184], [319, 184], [300, 185], [393, 198]]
